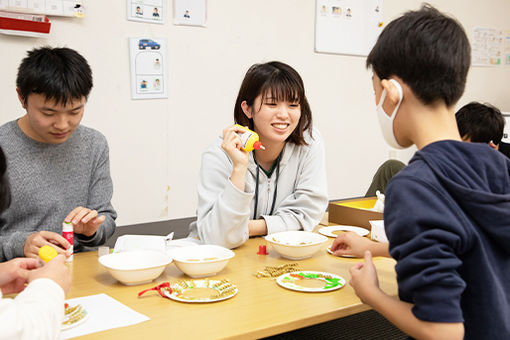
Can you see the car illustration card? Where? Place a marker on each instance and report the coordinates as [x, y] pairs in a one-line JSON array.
[[148, 68]]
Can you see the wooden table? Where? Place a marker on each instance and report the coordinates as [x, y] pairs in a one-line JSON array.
[[261, 307]]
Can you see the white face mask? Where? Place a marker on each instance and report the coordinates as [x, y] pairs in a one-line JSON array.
[[385, 121]]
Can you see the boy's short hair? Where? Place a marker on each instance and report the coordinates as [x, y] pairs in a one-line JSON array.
[[428, 50], [61, 74], [481, 123], [281, 82]]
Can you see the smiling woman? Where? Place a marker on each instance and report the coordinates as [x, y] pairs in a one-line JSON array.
[[283, 187]]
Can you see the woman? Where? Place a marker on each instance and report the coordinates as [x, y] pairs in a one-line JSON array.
[[283, 187]]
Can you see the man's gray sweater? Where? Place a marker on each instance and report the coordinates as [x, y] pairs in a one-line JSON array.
[[48, 181]]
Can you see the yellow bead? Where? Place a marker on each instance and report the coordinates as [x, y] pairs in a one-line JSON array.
[[46, 253]]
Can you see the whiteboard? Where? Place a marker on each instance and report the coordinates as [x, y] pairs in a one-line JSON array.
[[347, 26]]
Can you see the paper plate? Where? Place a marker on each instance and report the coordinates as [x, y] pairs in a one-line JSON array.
[[329, 251], [74, 316], [310, 281], [330, 231], [200, 291]]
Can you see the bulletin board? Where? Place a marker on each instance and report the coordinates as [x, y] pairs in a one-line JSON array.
[[347, 26], [490, 47]]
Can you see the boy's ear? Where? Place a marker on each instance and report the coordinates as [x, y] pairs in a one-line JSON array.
[[494, 146], [246, 109], [21, 99], [392, 92]]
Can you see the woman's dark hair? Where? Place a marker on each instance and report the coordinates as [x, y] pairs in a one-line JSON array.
[[428, 50], [481, 123], [60, 74], [5, 191], [283, 83]]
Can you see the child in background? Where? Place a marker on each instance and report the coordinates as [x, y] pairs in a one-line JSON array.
[[38, 311], [447, 212], [480, 123], [283, 187], [58, 169]]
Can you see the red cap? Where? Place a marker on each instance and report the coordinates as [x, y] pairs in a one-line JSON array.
[[262, 250], [257, 145]]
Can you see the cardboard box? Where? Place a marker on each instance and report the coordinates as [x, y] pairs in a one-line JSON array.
[[354, 212]]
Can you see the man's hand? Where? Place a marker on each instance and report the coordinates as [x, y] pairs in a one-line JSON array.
[[85, 221], [37, 240]]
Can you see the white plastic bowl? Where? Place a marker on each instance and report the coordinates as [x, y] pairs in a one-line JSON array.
[[201, 260], [135, 267], [296, 245]]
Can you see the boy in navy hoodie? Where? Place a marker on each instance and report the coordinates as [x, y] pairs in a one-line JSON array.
[[447, 214]]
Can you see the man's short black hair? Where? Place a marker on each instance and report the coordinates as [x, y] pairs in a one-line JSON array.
[[429, 51], [60, 74], [481, 123]]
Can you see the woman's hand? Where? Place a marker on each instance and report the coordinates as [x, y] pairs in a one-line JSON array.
[[232, 146]]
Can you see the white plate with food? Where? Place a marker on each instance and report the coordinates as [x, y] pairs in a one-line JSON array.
[[310, 281], [335, 230], [200, 291], [73, 316]]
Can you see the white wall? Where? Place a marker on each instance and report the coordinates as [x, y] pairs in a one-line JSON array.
[[156, 144]]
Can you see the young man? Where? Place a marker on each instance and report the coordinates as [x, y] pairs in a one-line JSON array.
[[58, 170], [447, 212]]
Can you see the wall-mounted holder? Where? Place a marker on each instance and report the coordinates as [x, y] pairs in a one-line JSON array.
[[27, 25]]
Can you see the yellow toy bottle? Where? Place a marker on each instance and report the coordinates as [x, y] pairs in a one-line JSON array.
[[250, 139], [46, 253]]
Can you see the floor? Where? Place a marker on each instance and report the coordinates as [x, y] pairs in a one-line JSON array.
[[368, 325]]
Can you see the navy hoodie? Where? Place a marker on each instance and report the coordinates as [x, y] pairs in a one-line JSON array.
[[447, 218]]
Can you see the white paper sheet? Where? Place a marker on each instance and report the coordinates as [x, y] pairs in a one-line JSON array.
[[140, 242], [190, 12], [104, 312], [378, 233], [347, 26]]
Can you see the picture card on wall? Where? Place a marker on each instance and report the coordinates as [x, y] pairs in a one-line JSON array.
[[148, 68], [190, 12], [151, 11], [348, 27]]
